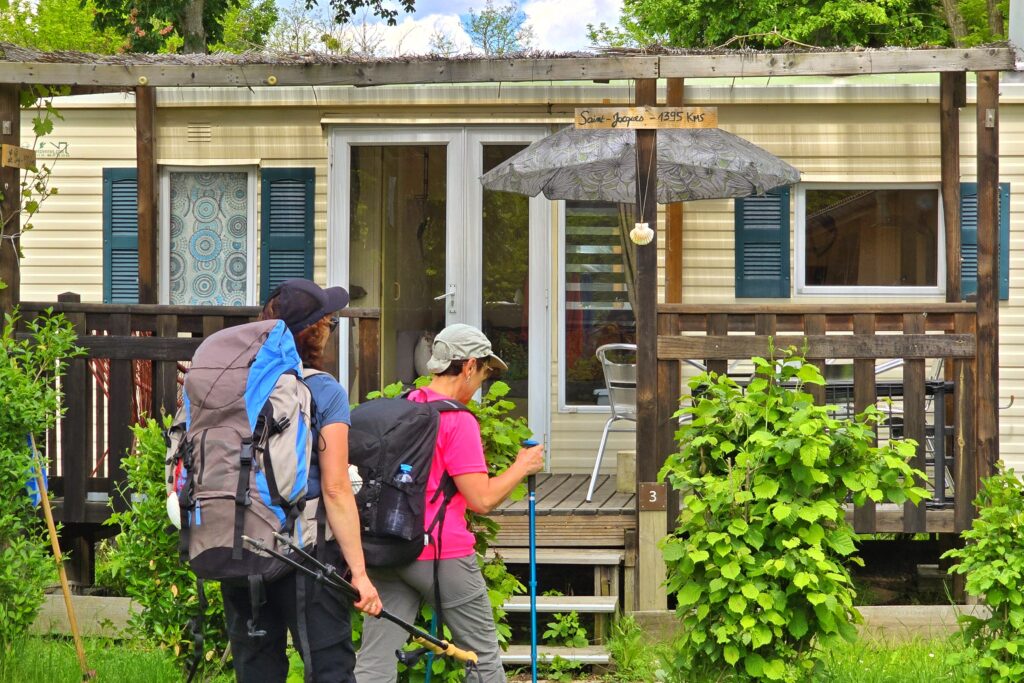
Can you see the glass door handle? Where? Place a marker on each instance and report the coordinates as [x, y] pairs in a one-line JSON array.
[[450, 295]]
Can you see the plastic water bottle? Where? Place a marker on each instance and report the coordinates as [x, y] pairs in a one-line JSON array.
[[397, 522], [404, 475]]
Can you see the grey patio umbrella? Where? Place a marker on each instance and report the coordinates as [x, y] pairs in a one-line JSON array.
[[600, 165]]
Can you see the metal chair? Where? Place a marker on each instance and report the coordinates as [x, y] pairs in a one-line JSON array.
[[620, 381]]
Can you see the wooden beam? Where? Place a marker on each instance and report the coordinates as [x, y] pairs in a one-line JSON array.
[[851, 308], [145, 154], [648, 462], [674, 218], [10, 188], [728, 347], [952, 96], [597, 68], [988, 271], [650, 570]]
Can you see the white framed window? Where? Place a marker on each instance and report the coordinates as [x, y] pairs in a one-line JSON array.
[[208, 236], [865, 239]]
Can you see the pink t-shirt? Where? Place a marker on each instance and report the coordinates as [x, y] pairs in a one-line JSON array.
[[458, 451]]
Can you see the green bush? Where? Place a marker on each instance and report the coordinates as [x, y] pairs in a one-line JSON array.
[[29, 405], [993, 562], [758, 560], [143, 560]]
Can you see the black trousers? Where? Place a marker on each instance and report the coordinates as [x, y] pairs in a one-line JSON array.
[[317, 617]]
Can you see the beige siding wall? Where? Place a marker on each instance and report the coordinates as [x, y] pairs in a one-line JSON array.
[[873, 133], [64, 251]]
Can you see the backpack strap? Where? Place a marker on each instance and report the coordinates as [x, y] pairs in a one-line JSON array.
[[257, 598], [242, 499], [196, 626]]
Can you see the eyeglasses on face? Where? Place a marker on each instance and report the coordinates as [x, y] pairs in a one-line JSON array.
[[334, 322]]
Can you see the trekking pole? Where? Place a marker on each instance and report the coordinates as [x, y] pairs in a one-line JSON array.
[[531, 487], [44, 498], [330, 577]]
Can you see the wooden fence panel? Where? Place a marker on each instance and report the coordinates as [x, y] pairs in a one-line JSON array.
[[918, 335]]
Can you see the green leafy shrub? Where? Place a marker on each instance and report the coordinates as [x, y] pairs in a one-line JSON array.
[[502, 435], [631, 652], [30, 403], [993, 562], [144, 558], [758, 560]]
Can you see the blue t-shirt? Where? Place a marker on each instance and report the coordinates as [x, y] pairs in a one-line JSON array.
[[330, 406]]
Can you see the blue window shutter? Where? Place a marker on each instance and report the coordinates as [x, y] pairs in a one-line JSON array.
[[120, 236], [287, 226], [762, 245], [969, 240]]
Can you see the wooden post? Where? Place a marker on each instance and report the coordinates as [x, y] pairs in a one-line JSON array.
[[914, 516], [953, 93], [10, 187], [863, 396], [145, 153], [650, 522], [965, 425], [988, 270], [674, 218]]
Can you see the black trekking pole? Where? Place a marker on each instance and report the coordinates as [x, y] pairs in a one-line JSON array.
[[330, 577]]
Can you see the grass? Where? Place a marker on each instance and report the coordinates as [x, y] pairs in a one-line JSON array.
[[47, 660], [53, 660], [919, 661]]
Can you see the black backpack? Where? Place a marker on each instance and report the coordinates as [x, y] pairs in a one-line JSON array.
[[392, 443]]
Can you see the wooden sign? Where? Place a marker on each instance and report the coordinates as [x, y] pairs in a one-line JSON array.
[[17, 157], [653, 496], [647, 117]]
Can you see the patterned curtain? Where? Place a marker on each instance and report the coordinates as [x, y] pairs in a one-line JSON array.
[[209, 238]]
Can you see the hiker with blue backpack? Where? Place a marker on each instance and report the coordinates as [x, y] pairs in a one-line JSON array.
[[259, 451], [325, 639], [445, 573]]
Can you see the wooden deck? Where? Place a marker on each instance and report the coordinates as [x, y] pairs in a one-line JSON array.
[[565, 519]]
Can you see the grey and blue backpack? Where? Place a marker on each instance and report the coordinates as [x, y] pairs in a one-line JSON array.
[[239, 453]]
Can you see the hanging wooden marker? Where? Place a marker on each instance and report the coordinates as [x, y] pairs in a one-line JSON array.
[[17, 157], [646, 117]]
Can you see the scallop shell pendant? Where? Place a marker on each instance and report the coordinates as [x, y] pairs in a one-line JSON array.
[[641, 234]]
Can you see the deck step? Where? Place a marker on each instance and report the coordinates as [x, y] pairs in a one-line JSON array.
[[520, 654], [606, 604], [589, 556]]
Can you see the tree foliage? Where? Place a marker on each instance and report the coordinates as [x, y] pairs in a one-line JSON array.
[[821, 23], [57, 25], [991, 560], [29, 405], [499, 29]]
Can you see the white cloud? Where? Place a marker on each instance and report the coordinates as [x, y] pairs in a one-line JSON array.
[[411, 36], [561, 25]]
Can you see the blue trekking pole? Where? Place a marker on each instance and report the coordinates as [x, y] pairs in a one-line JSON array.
[[531, 486]]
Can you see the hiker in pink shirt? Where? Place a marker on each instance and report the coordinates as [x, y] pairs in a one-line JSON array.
[[461, 359]]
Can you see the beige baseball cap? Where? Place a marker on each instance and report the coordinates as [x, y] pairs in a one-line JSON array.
[[462, 342]]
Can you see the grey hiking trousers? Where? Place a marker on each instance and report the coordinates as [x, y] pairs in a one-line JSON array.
[[465, 607]]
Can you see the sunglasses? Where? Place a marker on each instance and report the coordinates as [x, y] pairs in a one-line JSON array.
[[334, 322]]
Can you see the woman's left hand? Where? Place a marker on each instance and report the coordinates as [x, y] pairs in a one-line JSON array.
[[369, 600]]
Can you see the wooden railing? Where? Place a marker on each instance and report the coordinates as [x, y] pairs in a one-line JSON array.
[[918, 335], [133, 363]]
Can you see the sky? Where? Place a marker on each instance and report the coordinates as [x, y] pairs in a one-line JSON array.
[[558, 25]]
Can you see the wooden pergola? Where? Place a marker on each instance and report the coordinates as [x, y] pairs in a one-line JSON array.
[[660, 347]]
